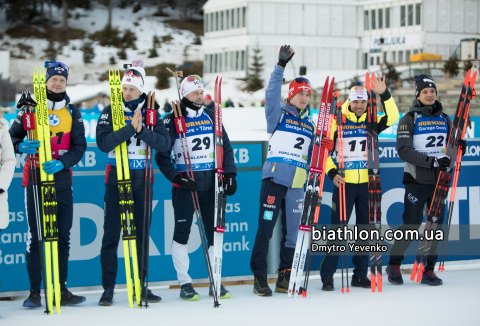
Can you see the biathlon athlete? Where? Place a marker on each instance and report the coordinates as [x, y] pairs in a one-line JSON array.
[[137, 137], [290, 131], [200, 132], [423, 151], [68, 146], [356, 175]]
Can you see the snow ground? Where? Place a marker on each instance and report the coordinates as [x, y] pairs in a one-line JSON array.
[[453, 303]]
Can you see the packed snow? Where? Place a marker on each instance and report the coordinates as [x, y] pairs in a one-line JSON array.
[[453, 303]]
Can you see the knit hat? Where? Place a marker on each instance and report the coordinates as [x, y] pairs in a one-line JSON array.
[[299, 85], [208, 97], [56, 68], [135, 75], [423, 81], [190, 84], [358, 93]]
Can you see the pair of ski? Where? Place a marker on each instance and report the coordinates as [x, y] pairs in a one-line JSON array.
[[437, 207], [215, 269], [313, 194], [44, 195], [374, 186], [125, 191]]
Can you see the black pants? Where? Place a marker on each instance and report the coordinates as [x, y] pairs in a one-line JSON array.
[[111, 234], [64, 222], [274, 197], [416, 196], [354, 194], [183, 210]]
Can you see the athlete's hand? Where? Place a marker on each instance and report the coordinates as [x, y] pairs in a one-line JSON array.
[[230, 184], [29, 146], [285, 55], [378, 84], [443, 163], [327, 143], [53, 166], [338, 180], [185, 182], [137, 121]]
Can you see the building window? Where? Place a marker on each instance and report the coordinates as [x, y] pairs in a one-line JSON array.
[[394, 57], [232, 22], [415, 51], [402, 15], [418, 12], [365, 61], [221, 21], [217, 22], [226, 61], [385, 57], [387, 17], [212, 22], [237, 60], [238, 17], [372, 62], [243, 61], [378, 60], [366, 21], [373, 19], [380, 18], [244, 18], [410, 15], [407, 55], [400, 56], [227, 25]]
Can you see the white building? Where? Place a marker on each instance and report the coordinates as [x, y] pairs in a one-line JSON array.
[[336, 35]]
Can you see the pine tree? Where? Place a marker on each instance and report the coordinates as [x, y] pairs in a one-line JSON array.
[[152, 53], [50, 51], [162, 79], [254, 81], [112, 60], [122, 54], [88, 52]]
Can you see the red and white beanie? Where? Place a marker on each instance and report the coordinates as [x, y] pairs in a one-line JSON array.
[[297, 87], [135, 75]]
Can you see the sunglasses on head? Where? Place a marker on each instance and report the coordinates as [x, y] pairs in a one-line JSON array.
[[133, 72], [192, 78], [418, 78], [50, 64], [302, 80]]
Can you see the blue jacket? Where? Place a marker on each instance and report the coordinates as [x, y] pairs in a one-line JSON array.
[[282, 173]]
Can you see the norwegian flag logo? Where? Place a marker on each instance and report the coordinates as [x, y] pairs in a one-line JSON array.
[[129, 80], [270, 199]]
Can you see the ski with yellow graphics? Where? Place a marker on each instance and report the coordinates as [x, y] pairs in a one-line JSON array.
[[129, 237], [48, 195]]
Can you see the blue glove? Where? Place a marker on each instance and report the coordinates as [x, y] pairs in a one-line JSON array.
[[29, 146], [53, 166]]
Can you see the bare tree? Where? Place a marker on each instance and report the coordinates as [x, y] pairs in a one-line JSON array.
[[109, 21], [65, 15]]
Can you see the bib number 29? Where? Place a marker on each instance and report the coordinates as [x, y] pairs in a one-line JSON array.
[[198, 143]]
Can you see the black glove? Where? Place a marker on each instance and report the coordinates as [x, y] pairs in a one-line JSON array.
[[284, 56], [230, 184], [443, 163], [462, 143], [185, 182], [2, 191]]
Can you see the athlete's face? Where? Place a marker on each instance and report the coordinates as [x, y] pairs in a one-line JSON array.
[[130, 93], [358, 107], [56, 84], [207, 101], [196, 96], [300, 100], [427, 96]]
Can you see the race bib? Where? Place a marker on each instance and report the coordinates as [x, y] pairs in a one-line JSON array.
[[290, 142], [430, 135], [200, 142], [355, 154]]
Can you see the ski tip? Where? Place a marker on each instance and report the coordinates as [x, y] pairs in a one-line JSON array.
[[379, 283], [348, 289], [473, 79], [343, 290]]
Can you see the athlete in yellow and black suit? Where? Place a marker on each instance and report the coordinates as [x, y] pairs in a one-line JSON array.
[[68, 146], [356, 173]]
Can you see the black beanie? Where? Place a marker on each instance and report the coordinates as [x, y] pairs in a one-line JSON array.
[[423, 81]]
